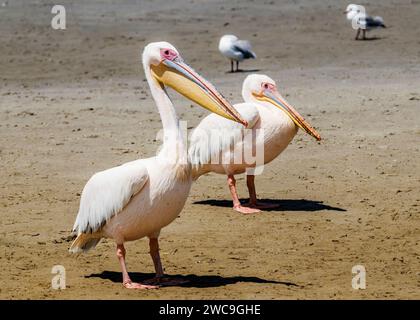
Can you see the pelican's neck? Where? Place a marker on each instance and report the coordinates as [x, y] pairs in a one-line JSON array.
[[173, 145]]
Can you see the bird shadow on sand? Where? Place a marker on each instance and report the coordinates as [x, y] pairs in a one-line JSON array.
[[191, 280], [243, 71], [283, 204], [374, 38]]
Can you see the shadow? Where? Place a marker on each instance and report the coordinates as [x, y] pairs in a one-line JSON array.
[[374, 38], [283, 204], [193, 281], [243, 71]]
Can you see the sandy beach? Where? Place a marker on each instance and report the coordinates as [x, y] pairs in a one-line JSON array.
[[75, 101]]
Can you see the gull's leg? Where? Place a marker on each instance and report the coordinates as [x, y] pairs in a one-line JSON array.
[[364, 34], [236, 203], [160, 279], [126, 278], [237, 65], [357, 34], [253, 202], [231, 66]]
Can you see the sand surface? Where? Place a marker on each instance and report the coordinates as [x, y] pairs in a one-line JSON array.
[[75, 102]]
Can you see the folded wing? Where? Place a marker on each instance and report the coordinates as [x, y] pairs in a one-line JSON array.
[[216, 135], [107, 193], [244, 47]]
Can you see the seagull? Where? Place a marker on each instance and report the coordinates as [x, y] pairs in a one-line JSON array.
[[139, 198], [361, 21], [235, 50], [271, 119]]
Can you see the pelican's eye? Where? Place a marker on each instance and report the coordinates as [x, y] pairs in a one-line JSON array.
[[267, 86], [168, 54]]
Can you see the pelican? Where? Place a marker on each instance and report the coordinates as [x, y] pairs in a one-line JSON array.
[[361, 21], [265, 109], [139, 198], [235, 50]]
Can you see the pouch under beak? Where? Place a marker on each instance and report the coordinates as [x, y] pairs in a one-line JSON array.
[[182, 78]]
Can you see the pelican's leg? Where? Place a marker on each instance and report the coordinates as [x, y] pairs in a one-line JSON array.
[[357, 34], [253, 202], [126, 278], [159, 279], [154, 253], [236, 203], [250, 183]]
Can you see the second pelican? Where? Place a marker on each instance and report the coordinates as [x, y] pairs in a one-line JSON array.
[[218, 139]]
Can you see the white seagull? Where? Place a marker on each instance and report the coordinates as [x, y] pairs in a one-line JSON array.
[[235, 50], [361, 21], [265, 109], [139, 198]]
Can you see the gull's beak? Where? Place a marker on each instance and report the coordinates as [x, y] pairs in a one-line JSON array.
[[182, 78], [276, 99], [347, 11]]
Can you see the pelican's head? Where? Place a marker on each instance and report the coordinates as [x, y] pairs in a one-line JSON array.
[[352, 11], [261, 88], [167, 68]]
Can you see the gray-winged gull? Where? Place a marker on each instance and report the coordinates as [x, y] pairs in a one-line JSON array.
[[361, 21], [235, 50]]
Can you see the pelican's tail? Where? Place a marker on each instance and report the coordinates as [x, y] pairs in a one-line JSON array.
[[84, 242]]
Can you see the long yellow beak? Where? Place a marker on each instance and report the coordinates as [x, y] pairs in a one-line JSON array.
[[182, 78], [276, 99]]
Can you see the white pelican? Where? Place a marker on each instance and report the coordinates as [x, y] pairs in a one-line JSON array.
[[361, 21], [264, 108], [139, 198], [235, 50]]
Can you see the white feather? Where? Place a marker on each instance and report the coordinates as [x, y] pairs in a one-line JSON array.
[[216, 135], [107, 193]]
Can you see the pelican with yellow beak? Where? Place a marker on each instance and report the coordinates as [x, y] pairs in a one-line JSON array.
[[139, 198], [272, 124]]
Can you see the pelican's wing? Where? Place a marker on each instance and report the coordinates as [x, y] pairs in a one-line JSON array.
[[215, 135], [244, 47], [107, 193]]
